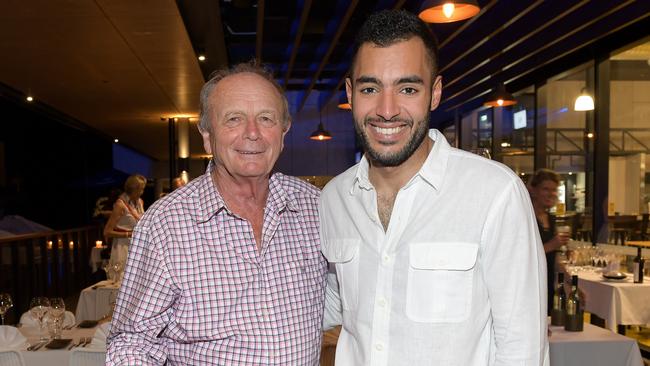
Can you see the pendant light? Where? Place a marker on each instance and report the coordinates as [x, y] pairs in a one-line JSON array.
[[343, 103], [499, 97], [321, 134], [447, 11], [584, 102]]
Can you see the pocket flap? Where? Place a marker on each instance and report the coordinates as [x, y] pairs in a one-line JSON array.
[[457, 256], [340, 250]]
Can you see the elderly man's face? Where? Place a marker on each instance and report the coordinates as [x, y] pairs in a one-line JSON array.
[[247, 130]]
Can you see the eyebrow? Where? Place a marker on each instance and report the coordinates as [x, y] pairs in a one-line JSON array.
[[411, 79]]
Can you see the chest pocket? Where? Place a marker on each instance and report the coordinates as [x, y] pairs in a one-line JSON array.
[[344, 254], [440, 279]]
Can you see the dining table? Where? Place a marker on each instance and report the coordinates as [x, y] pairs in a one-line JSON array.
[[53, 357], [97, 301], [617, 301], [638, 243], [594, 346]]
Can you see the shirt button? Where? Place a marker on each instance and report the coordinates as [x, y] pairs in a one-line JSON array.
[[382, 302], [386, 258], [379, 347]]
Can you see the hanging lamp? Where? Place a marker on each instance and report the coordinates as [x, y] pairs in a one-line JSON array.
[[343, 103], [499, 97], [321, 134], [447, 11], [584, 102]]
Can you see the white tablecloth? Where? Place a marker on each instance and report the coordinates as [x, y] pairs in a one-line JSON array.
[[594, 346], [50, 357], [95, 260], [624, 302], [95, 301]]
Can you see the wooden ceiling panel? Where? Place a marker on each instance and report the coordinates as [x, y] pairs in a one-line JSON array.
[[117, 65]]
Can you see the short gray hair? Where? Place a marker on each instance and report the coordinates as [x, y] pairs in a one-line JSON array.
[[205, 109]]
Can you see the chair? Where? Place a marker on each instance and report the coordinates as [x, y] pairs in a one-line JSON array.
[[11, 358], [623, 226], [28, 319], [87, 357], [642, 233]]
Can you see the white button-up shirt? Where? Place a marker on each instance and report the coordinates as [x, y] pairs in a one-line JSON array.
[[458, 278]]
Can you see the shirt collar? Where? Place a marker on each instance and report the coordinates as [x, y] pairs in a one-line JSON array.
[[211, 201], [432, 170]]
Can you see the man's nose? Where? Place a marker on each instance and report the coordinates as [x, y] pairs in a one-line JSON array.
[[252, 130], [387, 108]]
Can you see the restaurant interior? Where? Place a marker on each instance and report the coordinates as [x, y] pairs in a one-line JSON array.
[[92, 92]]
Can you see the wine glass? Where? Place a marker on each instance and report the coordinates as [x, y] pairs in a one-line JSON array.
[[38, 307], [5, 304], [57, 308], [117, 268]]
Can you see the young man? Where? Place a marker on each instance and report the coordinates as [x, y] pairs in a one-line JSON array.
[[437, 256], [227, 270]]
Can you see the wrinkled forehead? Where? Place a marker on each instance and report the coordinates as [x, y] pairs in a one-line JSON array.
[[245, 88]]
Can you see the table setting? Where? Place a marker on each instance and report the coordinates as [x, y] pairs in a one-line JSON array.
[[97, 301], [609, 287], [49, 335]]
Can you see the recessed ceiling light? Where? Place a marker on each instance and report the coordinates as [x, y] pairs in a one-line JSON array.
[[116, 141], [201, 58], [29, 98]]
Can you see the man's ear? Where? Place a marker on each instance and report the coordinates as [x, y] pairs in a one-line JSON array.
[[285, 130], [348, 90], [205, 135], [436, 92]]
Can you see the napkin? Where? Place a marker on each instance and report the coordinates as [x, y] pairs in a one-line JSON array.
[[11, 338], [99, 339]]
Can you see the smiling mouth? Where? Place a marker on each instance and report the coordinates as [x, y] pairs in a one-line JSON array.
[[388, 131], [243, 152]]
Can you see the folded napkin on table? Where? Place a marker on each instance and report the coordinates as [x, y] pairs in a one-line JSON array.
[[11, 338], [99, 339]]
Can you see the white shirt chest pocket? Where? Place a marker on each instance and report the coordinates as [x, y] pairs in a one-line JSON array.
[[344, 254], [440, 280]]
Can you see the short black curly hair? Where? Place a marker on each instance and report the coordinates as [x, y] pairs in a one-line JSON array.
[[388, 27]]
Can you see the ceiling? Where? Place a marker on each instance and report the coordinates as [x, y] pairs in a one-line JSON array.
[[121, 65]]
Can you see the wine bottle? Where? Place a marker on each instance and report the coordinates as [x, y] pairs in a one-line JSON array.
[[559, 302], [573, 321], [639, 263]]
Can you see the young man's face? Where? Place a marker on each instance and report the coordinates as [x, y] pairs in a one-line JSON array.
[[392, 90]]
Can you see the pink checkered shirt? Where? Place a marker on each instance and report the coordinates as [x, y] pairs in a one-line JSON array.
[[196, 291]]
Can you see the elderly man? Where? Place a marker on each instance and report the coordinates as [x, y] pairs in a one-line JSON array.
[[227, 270], [436, 250]]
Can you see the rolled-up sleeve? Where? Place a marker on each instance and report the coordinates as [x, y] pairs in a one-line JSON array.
[[515, 272], [144, 302]]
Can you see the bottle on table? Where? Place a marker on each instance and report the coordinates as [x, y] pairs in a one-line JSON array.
[[574, 318], [638, 265], [559, 301]]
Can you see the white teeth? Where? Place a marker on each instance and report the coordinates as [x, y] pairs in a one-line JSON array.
[[387, 131]]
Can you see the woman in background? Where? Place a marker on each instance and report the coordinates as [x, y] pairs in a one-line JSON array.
[[543, 193], [127, 210]]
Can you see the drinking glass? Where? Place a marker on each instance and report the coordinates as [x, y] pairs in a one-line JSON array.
[[39, 306], [108, 269], [117, 268], [57, 308], [54, 325], [5, 304]]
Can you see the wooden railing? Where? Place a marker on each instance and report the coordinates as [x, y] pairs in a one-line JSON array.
[[52, 264]]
